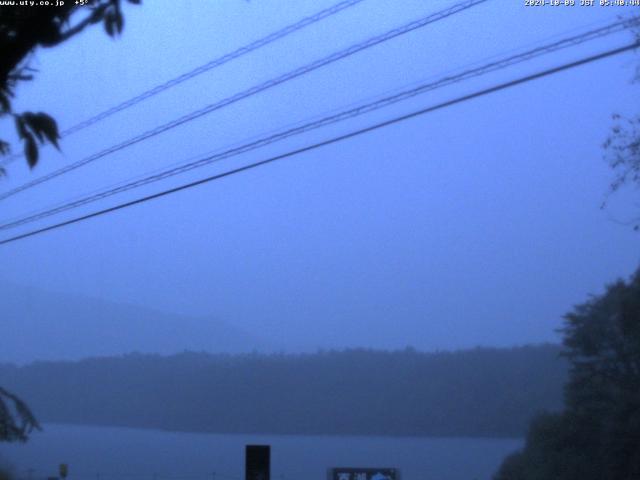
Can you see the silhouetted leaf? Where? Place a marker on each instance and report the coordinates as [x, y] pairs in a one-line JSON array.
[[31, 150], [51, 130], [113, 22], [119, 21], [6, 91], [5, 105], [29, 121], [109, 24], [20, 127], [43, 126]]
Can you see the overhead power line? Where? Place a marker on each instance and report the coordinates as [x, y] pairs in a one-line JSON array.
[[371, 42], [340, 138], [490, 67], [217, 62]]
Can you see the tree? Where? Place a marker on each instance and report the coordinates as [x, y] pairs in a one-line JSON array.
[[22, 30], [623, 154], [622, 150], [25, 28], [596, 437]]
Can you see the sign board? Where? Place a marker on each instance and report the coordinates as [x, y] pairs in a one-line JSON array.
[[364, 474], [258, 462]]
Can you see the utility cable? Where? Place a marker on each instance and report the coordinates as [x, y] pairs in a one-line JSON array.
[[217, 62], [331, 119], [355, 133], [373, 41]]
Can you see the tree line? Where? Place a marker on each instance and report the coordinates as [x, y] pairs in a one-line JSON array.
[[480, 392]]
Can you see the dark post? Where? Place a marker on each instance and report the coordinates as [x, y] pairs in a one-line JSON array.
[[258, 462]]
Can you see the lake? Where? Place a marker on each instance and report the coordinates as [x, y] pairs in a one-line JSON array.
[[110, 453]]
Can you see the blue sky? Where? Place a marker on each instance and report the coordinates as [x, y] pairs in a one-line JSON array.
[[475, 225]]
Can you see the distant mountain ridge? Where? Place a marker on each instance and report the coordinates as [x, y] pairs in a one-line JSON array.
[[40, 325], [482, 392]]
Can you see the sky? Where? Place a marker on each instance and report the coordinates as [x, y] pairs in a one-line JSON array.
[[476, 225]]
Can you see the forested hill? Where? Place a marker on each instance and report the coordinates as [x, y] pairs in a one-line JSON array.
[[480, 392]]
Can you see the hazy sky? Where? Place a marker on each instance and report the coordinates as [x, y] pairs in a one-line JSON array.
[[475, 225]]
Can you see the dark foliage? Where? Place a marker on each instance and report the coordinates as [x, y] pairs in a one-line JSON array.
[[482, 392], [623, 154], [622, 150], [16, 420], [22, 31], [597, 437]]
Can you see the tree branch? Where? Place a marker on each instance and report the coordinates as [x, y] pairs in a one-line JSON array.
[[94, 17], [10, 429]]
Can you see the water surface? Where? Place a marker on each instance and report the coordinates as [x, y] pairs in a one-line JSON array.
[[109, 453]]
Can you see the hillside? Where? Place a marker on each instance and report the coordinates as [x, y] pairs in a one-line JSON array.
[[481, 392], [37, 324]]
